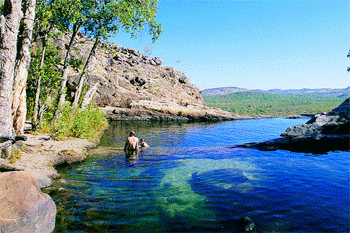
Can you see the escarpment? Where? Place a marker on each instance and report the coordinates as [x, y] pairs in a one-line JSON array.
[[133, 86]]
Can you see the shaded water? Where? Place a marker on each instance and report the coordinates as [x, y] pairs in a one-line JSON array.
[[189, 180]]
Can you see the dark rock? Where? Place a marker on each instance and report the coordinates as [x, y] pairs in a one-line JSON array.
[[334, 122], [183, 79], [132, 51], [138, 81], [158, 61], [71, 86], [245, 224]]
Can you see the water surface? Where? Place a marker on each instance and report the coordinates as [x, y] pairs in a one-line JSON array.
[[190, 180]]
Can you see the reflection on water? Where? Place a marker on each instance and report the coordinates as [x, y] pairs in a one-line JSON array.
[[190, 181]]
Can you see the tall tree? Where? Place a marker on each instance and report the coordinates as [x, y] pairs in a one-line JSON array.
[[73, 15], [19, 108], [112, 16], [9, 27], [44, 24]]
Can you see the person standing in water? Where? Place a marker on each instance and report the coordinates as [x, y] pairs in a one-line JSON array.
[[131, 147], [144, 145]]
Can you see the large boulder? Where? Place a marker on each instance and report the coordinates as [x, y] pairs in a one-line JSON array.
[[23, 207]]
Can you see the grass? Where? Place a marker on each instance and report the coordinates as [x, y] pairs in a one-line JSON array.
[[88, 123], [250, 103]]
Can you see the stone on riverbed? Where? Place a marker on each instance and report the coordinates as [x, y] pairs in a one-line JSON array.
[[23, 207], [220, 178]]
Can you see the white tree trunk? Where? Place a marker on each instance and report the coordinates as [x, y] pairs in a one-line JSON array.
[[82, 75], [19, 107], [63, 83], [10, 22], [89, 95], [38, 84]]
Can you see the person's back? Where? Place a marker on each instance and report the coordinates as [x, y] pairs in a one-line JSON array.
[[131, 144]]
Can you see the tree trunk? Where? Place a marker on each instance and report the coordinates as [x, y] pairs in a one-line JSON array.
[[10, 21], [62, 93], [89, 95], [19, 107], [38, 85], [82, 75]]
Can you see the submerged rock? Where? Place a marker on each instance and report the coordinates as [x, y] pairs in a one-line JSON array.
[[245, 224], [219, 179]]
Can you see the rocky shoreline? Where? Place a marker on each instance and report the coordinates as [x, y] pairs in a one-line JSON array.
[[324, 132], [39, 154]]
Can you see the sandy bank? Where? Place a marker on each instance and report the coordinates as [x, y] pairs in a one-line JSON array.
[[39, 155]]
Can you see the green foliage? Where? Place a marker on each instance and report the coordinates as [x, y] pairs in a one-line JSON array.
[[110, 17], [15, 154], [88, 123], [50, 77], [76, 63], [250, 103]]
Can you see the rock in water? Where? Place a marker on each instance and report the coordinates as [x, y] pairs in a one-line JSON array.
[[220, 178], [245, 224], [23, 207]]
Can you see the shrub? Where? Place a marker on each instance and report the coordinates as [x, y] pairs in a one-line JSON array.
[[15, 154], [88, 123]]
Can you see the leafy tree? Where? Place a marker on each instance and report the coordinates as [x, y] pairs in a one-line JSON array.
[[73, 15], [45, 22], [43, 83]]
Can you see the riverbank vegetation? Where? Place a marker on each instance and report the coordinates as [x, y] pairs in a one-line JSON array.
[[33, 80], [251, 103]]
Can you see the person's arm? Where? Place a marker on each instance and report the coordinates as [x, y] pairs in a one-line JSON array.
[[126, 145]]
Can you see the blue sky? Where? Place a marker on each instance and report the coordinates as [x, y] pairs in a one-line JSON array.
[[268, 44]]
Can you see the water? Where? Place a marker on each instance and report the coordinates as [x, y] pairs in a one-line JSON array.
[[190, 180]]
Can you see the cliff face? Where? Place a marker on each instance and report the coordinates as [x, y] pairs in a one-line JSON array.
[[131, 83]]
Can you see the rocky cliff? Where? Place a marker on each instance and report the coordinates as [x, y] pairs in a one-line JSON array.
[[131, 85]]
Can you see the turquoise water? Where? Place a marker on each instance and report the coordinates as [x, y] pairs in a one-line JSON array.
[[190, 180]]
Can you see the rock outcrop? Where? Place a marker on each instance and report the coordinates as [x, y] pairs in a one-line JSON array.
[[131, 82], [23, 207], [324, 132], [334, 122]]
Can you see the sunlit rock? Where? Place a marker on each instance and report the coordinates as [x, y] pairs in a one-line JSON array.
[[23, 207]]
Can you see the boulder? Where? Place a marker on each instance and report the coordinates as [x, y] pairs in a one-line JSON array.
[[183, 79], [23, 207], [158, 61]]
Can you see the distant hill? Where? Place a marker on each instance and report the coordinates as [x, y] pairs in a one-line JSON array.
[[222, 90], [305, 91], [254, 103]]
